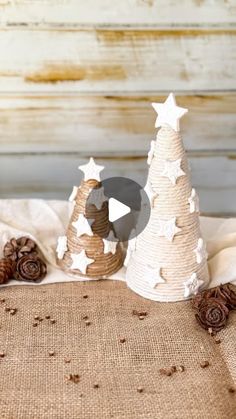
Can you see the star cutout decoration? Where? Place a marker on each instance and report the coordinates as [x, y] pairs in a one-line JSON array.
[[97, 197], [82, 226], [192, 285], [200, 251], [91, 170], [168, 229], [172, 170], [73, 194], [193, 202], [80, 261], [153, 276], [110, 243], [131, 248], [150, 193], [169, 113], [61, 247], [151, 152]]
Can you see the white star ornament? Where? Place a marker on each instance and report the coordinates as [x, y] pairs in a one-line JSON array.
[[97, 197], [192, 285], [151, 152], [193, 202], [172, 170], [200, 251], [131, 248], [152, 195], [110, 243], [73, 194], [153, 276], [82, 226], [169, 113], [80, 261], [91, 170], [168, 228], [61, 247]]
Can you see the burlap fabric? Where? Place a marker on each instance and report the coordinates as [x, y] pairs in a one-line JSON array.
[[33, 384]]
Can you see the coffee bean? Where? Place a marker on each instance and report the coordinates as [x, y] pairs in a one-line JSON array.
[[51, 353], [85, 317], [231, 390], [2, 354], [140, 389], [52, 321], [88, 323], [67, 360], [173, 368], [13, 311], [47, 316], [36, 317], [85, 296], [7, 309], [141, 317], [96, 385], [204, 364], [166, 371], [122, 340], [2, 300], [35, 324], [181, 368]]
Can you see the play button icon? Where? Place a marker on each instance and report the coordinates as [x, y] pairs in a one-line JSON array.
[[117, 210], [125, 203]]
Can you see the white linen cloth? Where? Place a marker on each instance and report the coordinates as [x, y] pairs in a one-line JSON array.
[[44, 221]]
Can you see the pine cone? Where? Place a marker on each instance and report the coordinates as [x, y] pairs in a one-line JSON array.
[[228, 291], [16, 248], [212, 313], [30, 268], [6, 270]]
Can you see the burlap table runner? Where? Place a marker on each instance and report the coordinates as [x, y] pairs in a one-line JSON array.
[[33, 384]]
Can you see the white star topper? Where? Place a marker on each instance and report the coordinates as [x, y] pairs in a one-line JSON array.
[[82, 226], [192, 285], [91, 170], [80, 261], [61, 247], [110, 243], [168, 229], [172, 170], [169, 113], [200, 251]]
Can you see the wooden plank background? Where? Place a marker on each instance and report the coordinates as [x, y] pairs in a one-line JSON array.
[[77, 79]]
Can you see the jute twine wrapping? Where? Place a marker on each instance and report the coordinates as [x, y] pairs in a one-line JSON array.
[[177, 258], [104, 265], [34, 385]]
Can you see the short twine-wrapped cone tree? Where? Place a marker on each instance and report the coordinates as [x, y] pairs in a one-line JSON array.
[[168, 260], [89, 249]]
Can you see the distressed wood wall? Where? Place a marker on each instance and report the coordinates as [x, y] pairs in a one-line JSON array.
[[77, 78]]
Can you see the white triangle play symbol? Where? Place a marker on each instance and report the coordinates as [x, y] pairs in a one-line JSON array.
[[117, 209]]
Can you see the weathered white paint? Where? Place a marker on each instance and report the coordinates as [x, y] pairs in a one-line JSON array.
[[124, 60], [54, 175], [122, 125], [138, 12]]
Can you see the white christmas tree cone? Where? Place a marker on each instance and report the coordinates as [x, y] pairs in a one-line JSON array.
[[168, 261], [85, 252]]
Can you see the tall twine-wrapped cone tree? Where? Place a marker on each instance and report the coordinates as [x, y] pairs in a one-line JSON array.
[[168, 260], [89, 249]]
